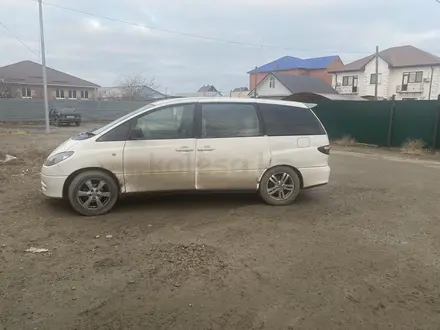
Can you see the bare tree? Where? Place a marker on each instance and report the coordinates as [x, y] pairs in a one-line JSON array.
[[133, 86]]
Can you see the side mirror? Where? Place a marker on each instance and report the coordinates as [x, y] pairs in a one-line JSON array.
[[135, 134]]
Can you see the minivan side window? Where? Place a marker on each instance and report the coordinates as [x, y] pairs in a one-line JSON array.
[[283, 120], [119, 133], [173, 122], [227, 120]]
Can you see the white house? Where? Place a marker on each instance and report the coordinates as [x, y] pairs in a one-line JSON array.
[[406, 72], [281, 85], [204, 91]]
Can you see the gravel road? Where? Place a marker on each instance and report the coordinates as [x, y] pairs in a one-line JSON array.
[[360, 253]]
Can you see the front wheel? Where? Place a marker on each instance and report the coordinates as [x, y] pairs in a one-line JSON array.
[[93, 193], [279, 186]]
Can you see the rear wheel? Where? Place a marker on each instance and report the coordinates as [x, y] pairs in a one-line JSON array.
[[93, 193], [77, 123], [279, 186]]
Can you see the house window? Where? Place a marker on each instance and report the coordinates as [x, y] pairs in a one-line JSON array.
[[59, 94], [26, 93], [72, 94], [350, 81], [412, 77], [85, 95], [271, 82], [373, 79]]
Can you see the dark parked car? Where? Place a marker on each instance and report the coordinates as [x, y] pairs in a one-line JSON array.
[[64, 116]]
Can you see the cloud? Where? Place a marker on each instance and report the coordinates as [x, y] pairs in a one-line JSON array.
[[101, 50]]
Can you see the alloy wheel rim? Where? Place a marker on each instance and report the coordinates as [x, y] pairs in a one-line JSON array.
[[280, 186], [93, 194]]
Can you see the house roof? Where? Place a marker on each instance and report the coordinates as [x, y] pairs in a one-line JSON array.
[[240, 89], [303, 84], [142, 93], [397, 57], [207, 88], [303, 97], [199, 94], [290, 63], [30, 73]]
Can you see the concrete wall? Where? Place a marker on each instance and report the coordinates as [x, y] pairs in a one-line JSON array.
[[240, 94], [338, 78], [396, 77], [384, 78], [390, 79], [18, 110]]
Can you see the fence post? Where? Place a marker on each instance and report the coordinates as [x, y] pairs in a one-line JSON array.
[[391, 121], [436, 123]]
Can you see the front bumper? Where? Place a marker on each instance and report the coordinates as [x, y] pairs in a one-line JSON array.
[[52, 186]]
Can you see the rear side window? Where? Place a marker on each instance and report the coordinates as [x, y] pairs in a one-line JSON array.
[[283, 120], [225, 120]]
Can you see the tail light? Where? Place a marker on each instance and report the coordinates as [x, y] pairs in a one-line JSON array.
[[325, 149]]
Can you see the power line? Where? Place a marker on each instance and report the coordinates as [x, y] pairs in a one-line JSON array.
[[184, 34], [18, 38]]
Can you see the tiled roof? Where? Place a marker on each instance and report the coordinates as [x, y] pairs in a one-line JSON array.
[[397, 57], [28, 72], [303, 84], [290, 63], [240, 89], [207, 88]]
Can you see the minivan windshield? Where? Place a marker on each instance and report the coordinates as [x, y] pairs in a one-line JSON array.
[[121, 119], [67, 111]]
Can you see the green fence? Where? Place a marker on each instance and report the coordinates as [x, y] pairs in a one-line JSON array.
[[383, 123]]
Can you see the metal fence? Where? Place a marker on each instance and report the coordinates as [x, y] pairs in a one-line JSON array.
[[383, 123], [13, 110]]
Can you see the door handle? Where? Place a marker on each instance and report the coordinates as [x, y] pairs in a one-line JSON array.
[[206, 148], [184, 149]]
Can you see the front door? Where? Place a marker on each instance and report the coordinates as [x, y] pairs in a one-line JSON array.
[[160, 152], [232, 152]]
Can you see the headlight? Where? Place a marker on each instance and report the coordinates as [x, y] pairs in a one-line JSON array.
[[55, 159]]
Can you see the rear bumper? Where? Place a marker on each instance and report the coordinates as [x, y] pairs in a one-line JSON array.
[[315, 176], [52, 186], [70, 120]]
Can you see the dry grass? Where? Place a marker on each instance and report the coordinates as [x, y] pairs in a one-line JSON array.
[[414, 147], [30, 157], [8, 131], [346, 140]]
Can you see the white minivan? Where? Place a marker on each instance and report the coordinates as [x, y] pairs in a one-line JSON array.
[[275, 148]]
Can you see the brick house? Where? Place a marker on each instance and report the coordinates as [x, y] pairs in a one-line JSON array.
[[24, 80], [318, 67]]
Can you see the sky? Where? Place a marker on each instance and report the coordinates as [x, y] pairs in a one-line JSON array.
[[260, 31]]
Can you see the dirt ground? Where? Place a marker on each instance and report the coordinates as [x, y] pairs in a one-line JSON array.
[[360, 253]]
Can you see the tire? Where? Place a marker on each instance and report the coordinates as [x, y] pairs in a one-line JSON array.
[[77, 123], [86, 199], [57, 123], [271, 185]]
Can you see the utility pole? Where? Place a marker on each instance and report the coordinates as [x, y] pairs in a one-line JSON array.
[[43, 64], [255, 83], [376, 86]]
